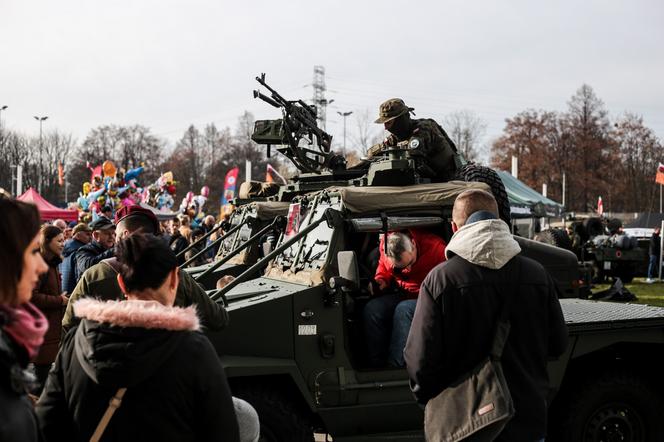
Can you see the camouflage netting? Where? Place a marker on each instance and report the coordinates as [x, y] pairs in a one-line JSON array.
[[266, 211], [382, 198], [250, 189]]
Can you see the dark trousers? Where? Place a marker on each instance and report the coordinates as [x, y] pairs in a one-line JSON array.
[[41, 373], [387, 320], [653, 271]]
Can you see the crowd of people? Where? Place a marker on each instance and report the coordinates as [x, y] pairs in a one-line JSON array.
[[64, 354], [110, 325]]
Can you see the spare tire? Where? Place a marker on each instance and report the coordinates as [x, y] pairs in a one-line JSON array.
[[593, 226], [555, 237], [614, 226], [472, 172]]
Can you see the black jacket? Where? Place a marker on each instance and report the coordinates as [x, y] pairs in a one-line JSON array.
[[454, 323], [68, 267], [177, 244], [18, 421], [176, 387], [655, 245], [89, 255]]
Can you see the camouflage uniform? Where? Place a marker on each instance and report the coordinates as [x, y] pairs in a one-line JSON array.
[[435, 154]]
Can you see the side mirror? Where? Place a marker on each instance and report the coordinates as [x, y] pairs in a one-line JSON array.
[[348, 268]]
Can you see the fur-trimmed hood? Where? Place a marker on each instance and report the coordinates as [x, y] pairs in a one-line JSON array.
[[121, 343], [134, 313]]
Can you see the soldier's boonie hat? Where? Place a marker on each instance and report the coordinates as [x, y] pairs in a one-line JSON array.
[[391, 109]]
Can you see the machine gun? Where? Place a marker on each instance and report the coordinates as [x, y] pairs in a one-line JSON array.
[[297, 126]]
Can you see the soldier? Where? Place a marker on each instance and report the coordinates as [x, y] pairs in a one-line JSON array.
[[435, 154]]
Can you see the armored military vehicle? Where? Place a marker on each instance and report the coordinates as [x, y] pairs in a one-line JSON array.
[[294, 347], [602, 247], [613, 254], [295, 350]]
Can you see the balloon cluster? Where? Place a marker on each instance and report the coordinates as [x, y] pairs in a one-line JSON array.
[[160, 193], [116, 188], [193, 205]]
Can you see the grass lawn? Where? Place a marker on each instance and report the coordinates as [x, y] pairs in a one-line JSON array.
[[651, 294]]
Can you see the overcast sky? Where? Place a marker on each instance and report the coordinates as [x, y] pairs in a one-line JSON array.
[[168, 64]]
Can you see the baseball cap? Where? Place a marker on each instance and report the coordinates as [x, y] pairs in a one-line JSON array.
[[102, 223], [391, 109], [82, 227], [127, 211]]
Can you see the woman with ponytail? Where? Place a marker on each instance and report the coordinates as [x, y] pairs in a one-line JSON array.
[[164, 374]]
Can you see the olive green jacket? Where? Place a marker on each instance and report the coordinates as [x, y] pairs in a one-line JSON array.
[[100, 281]]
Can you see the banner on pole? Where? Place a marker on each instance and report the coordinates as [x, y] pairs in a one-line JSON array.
[[229, 186], [271, 173], [659, 177], [61, 174]]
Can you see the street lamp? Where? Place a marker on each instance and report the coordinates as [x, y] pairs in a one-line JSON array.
[[345, 114], [41, 152], [1, 109]]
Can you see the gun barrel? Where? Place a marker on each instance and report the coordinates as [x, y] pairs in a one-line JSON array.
[[311, 109], [275, 95], [266, 99]]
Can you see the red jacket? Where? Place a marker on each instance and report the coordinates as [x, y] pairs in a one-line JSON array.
[[430, 253]]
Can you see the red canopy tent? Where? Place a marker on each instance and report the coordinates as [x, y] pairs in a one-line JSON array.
[[47, 210]]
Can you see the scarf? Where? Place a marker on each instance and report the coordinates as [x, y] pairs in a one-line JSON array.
[[26, 326]]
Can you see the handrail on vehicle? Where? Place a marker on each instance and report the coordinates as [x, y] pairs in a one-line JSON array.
[[277, 220], [204, 237], [221, 293], [214, 243]]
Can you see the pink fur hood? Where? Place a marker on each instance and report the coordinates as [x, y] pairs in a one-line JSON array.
[[134, 313]]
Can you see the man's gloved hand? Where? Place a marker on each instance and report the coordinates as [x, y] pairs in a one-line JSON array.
[[374, 150]]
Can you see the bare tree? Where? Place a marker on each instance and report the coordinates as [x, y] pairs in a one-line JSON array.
[[595, 151], [126, 146], [466, 129], [640, 153], [366, 134]]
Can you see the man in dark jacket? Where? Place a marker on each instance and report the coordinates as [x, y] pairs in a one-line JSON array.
[[100, 280], [100, 248], [177, 242], [81, 236], [459, 303]]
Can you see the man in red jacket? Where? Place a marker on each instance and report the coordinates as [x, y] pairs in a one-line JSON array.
[[388, 315]]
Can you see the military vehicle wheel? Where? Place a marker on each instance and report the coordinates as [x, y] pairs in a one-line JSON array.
[[280, 419], [614, 407], [472, 172], [626, 273], [555, 237], [593, 226]]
